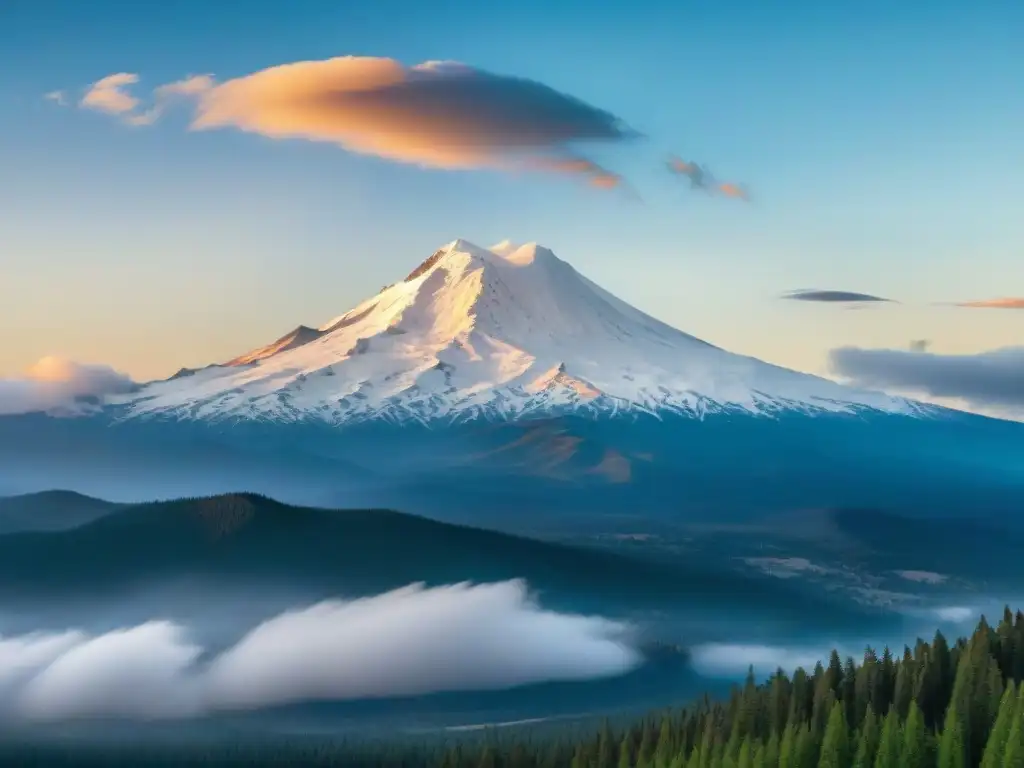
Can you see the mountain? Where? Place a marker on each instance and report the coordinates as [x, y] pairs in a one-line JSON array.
[[501, 387], [502, 333]]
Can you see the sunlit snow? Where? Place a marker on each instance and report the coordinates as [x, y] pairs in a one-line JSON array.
[[498, 334]]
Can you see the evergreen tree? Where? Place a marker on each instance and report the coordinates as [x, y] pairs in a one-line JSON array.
[[778, 702], [665, 748], [867, 745], [951, 742], [771, 751], [806, 748], [626, 752], [646, 751], [758, 760], [834, 744], [744, 759], [915, 740], [903, 693], [890, 742], [995, 747], [487, 759], [1013, 756], [604, 748], [787, 748]]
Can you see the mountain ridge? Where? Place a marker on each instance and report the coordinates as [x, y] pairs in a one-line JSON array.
[[504, 333]]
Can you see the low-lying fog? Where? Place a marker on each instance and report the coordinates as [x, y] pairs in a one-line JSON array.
[[188, 653]]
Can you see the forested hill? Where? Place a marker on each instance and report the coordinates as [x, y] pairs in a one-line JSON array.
[[951, 706]]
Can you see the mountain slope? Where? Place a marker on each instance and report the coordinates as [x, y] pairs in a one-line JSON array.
[[50, 511], [259, 543], [499, 334]]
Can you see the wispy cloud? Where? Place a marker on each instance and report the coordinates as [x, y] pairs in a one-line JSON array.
[[733, 660], [56, 383], [57, 97], [701, 178], [407, 642], [1002, 303], [992, 379], [436, 114], [833, 297]]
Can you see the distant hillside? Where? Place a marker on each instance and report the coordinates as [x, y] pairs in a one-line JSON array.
[[50, 511], [251, 540]]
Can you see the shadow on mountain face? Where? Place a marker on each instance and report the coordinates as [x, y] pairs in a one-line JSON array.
[[249, 541]]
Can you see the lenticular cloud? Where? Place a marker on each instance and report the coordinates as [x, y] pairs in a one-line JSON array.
[[406, 642]]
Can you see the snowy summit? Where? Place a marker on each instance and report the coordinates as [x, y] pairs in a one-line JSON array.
[[492, 333]]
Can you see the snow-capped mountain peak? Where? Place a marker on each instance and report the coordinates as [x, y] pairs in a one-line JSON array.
[[496, 332]]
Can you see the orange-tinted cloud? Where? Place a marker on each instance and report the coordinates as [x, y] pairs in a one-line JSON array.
[[1004, 303], [597, 176], [192, 86], [56, 383], [733, 190], [700, 178], [110, 94], [438, 114]]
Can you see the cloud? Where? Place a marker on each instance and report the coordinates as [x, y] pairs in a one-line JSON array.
[[110, 94], [737, 191], [142, 670], [700, 178], [597, 175], [733, 660], [1003, 303], [986, 379], [956, 613], [406, 642], [57, 97], [832, 296], [436, 114], [192, 86], [56, 383]]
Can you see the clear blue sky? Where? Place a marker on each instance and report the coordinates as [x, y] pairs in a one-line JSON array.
[[884, 142]]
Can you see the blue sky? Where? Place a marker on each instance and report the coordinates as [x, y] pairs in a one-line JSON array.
[[883, 142]]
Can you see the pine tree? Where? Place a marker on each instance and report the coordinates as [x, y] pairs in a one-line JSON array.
[[1013, 757], [771, 751], [646, 752], [915, 746], [758, 759], [487, 759], [807, 746], [787, 748], [951, 742], [890, 742], [626, 752], [904, 691], [834, 744], [995, 747], [867, 745], [745, 757], [604, 748], [778, 702]]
